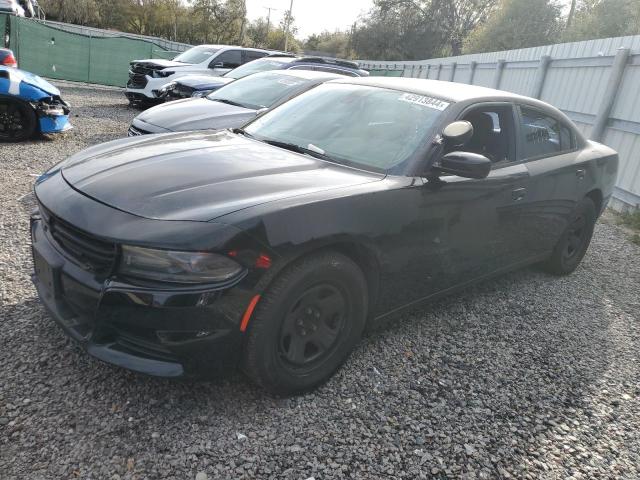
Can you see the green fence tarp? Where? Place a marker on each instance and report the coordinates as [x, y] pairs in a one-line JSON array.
[[386, 73], [4, 20], [54, 53]]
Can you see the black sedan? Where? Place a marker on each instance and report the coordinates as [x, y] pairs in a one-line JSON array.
[[231, 106], [275, 246]]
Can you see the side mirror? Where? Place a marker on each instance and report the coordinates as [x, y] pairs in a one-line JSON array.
[[465, 164], [458, 133], [217, 65]]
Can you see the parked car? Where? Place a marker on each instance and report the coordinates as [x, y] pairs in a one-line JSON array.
[[29, 105], [202, 85], [231, 106], [12, 7], [274, 246], [21, 8], [7, 58], [146, 77]]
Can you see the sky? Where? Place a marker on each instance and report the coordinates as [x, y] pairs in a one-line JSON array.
[[312, 16]]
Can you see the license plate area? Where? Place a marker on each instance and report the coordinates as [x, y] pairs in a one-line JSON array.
[[47, 275]]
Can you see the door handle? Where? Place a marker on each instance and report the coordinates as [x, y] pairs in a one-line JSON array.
[[580, 173], [518, 194]]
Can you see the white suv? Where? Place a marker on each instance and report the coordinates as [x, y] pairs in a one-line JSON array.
[[146, 77]]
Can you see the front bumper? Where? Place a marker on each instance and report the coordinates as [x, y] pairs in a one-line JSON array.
[[169, 333], [53, 117]]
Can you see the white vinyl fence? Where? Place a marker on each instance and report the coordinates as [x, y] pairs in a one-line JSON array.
[[596, 83]]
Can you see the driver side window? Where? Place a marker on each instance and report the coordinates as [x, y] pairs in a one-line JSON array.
[[493, 133]]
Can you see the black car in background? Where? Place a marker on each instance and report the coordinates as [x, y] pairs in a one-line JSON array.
[[201, 85], [274, 246], [231, 106]]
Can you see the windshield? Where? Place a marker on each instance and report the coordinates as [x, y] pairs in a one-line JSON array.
[[260, 91], [370, 127], [254, 67], [196, 55]]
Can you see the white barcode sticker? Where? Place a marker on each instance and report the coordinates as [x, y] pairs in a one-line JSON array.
[[430, 102]]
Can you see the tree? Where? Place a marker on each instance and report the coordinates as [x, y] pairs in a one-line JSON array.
[[454, 19], [333, 44], [396, 30], [517, 24], [603, 19]]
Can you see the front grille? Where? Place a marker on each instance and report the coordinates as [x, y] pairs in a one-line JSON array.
[[137, 80], [90, 252], [135, 132]]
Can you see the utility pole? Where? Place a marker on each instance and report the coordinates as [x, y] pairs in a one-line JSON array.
[[286, 33], [268, 21]]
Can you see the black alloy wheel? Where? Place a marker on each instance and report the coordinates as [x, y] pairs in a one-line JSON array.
[[311, 328], [306, 323], [17, 120]]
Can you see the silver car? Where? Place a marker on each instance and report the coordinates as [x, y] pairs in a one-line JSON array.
[[147, 77]]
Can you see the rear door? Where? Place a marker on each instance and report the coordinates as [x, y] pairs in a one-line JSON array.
[[548, 148]]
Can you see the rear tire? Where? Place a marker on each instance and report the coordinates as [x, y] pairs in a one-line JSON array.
[[306, 324], [575, 240], [18, 121]]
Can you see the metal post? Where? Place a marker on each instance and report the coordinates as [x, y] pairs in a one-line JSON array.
[[610, 94], [452, 75], [439, 70], [428, 70], [498, 76], [472, 71], [543, 68], [286, 33]]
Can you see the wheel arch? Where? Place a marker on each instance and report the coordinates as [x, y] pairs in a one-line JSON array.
[[363, 255], [596, 196]]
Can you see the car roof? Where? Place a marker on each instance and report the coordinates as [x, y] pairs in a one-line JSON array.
[[452, 91], [229, 47]]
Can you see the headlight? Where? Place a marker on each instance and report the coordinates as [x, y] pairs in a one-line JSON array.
[[178, 267], [162, 73], [168, 86], [201, 93]]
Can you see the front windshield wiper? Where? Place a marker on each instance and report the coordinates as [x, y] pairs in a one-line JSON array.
[[242, 131], [313, 152]]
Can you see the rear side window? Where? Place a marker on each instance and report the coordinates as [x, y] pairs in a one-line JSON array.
[[249, 56], [543, 135]]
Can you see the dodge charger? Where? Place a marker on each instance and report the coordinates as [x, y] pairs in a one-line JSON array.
[[274, 246]]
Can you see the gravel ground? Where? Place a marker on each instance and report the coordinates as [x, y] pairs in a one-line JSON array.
[[527, 376]]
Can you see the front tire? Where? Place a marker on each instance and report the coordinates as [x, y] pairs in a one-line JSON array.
[[306, 324], [575, 240], [18, 121]]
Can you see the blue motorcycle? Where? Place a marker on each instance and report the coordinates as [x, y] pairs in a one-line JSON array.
[[29, 105]]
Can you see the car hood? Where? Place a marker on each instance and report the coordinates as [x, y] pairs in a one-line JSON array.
[[159, 62], [17, 77], [199, 176], [196, 114], [203, 82]]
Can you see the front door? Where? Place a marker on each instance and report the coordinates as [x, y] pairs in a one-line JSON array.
[[461, 229]]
